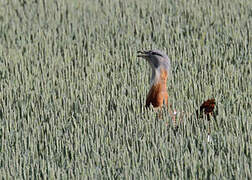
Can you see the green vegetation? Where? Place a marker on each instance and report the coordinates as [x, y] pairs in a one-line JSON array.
[[72, 90]]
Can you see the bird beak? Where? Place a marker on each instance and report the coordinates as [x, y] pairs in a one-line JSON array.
[[142, 54]]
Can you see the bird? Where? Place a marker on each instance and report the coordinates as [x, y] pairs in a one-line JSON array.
[[161, 72], [207, 108], [158, 94]]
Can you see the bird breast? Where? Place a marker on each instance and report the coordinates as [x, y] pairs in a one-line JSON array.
[[158, 93]]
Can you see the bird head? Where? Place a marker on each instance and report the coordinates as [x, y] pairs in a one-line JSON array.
[[159, 62], [157, 59]]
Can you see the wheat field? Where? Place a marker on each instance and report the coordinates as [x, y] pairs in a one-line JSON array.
[[72, 90]]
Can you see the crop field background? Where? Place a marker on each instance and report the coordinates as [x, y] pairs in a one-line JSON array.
[[72, 90]]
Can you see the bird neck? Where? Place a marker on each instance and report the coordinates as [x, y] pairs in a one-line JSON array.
[[159, 77]]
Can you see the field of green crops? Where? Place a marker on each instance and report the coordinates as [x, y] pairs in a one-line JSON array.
[[72, 90]]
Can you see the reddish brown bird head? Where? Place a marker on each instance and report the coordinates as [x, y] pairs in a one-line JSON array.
[[207, 109], [161, 68]]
